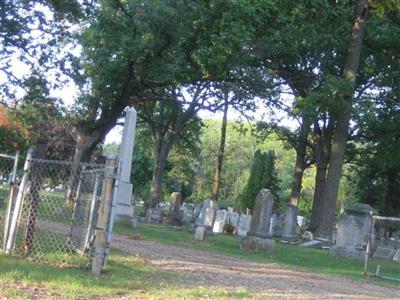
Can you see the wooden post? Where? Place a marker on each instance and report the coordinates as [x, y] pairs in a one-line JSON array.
[[100, 242]]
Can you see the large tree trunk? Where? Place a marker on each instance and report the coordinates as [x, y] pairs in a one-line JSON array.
[[86, 142], [160, 153], [342, 125], [218, 169], [322, 153], [300, 164]]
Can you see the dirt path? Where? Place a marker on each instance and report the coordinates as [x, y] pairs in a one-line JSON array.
[[264, 280]]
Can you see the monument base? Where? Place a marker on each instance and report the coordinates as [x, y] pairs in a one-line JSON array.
[[256, 243], [124, 208], [291, 239], [348, 252]]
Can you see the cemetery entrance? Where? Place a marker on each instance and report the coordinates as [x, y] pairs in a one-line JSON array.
[[56, 211]]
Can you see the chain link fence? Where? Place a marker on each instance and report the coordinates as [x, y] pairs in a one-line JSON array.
[[382, 257], [8, 177], [52, 214]]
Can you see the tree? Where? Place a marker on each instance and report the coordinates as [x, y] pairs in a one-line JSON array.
[[262, 175]]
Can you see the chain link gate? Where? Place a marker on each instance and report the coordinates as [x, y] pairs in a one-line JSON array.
[[54, 212], [8, 176], [382, 256]]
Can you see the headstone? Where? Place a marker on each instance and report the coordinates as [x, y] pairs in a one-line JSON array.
[[276, 225], [154, 215], [308, 235], [258, 237], [124, 207], [220, 220], [353, 231], [187, 214], [290, 234], [233, 218], [230, 209], [200, 233], [175, 208], [244, 224], [206, 214]]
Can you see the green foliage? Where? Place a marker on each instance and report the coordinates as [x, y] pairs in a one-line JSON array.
[[262, 175]]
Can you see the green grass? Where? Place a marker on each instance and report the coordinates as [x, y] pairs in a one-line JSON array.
[[314, 260], [124, 275]]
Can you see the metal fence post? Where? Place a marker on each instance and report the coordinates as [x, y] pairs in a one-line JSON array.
[[92, 207], [13, 189], [18, 204], [100, 241], [368, 249]]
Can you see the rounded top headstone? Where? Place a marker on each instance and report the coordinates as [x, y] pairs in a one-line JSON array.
[[360, 208]]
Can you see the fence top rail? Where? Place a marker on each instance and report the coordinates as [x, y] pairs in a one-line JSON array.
[[7, 156], [386, 218], [68, 163]]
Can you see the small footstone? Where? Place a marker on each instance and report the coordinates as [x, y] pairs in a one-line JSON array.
[[256, 243], [200, 233]]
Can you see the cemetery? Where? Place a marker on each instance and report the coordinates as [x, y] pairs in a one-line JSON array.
[[199, 149]]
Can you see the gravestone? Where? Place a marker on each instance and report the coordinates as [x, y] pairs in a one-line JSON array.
[[154, 215], [353, 231], [220, 220], [233, 218], [187, 214], [175, 209], [206, 214], [244, 224], [123, 194], [290, 234], [200, 233], [276, 226], [258, 237]]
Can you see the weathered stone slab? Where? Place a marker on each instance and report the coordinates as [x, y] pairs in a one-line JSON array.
[[233, 218], [206, 214], [154, 215], [254, 243], [220, 219], [276, 225], [200, 233], [311, 244], [353, 231], [290, 234], [244, 224], [260, 222]]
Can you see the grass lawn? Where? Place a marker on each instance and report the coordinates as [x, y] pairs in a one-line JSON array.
[[124, 275], [315, 260]]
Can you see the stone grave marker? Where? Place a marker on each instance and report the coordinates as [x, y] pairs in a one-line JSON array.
[[290, 234], [233, 218], [353, 230], [244, 224], [200, 233], [276, 225], [258, 237], [220, 220], [206, 214]]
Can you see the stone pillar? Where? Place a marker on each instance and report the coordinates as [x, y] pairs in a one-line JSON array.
[[290, 234], [124, 208], [258, 237], [353, 231]]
